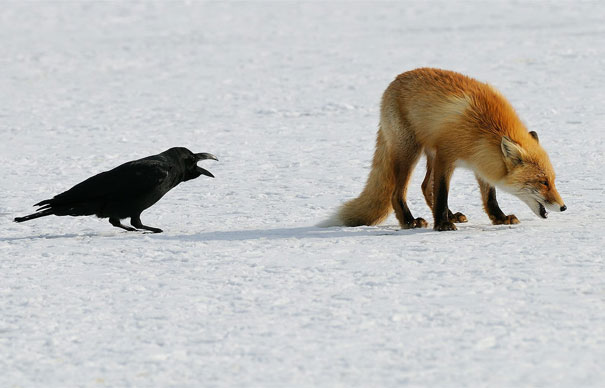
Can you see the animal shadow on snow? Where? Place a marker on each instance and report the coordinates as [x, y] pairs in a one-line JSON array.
[[54, 236], [296, 232], [313, 232]]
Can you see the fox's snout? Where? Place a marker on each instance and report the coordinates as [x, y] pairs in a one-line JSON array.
[[554, 202], [555, 207]]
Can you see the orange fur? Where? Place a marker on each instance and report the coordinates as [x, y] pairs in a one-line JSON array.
[[455, 120], [374, 204]]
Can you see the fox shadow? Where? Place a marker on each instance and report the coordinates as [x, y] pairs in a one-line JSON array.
[[304, 232]]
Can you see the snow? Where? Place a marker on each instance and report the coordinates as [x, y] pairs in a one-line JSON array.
[[242, 289]]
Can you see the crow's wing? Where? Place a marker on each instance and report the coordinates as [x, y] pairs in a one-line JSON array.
[[127, 181]]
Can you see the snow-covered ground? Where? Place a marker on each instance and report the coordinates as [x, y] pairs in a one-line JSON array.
[[241, 289]]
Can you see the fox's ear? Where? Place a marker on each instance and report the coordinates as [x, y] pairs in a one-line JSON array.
[[513, 153], [534, 134]]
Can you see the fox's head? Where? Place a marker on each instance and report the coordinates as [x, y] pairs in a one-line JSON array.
[[530, 176]]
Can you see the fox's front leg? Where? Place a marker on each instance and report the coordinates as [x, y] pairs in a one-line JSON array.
[[442, 173], [490, 204]]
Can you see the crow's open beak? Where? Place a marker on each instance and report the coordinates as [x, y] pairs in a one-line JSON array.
[[204, 172], [204, 156]]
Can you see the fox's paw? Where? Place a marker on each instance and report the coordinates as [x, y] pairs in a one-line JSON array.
[[416, 223], [511, 219], [420, 223], [457, 217], [445, 225]]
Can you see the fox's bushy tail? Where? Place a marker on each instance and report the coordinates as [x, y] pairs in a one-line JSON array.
[[374, 203]]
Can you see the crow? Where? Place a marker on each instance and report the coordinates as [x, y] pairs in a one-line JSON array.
[[127, 190]]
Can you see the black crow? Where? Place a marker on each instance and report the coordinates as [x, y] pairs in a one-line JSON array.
[[127, 190]]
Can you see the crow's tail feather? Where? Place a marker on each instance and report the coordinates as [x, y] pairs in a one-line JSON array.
[[39, 214], [45, 204]]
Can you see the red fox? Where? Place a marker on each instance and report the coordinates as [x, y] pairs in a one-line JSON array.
[[457, 121]]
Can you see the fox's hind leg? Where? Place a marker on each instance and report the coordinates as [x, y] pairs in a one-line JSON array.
[[427, 183], [427, 190], [490, 204], [443, 168], [403, 167]]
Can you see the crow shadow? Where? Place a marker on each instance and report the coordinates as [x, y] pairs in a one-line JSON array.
[[55, 236]]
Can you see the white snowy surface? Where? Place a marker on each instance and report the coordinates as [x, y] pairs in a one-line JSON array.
[[242, 290]]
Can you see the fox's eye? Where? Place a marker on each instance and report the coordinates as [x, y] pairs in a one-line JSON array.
[[544, 183]]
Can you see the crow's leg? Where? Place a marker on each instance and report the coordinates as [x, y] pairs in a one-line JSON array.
[[136, 222], [116, 222]]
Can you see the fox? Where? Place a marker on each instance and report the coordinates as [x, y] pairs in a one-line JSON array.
[[456, 121]]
